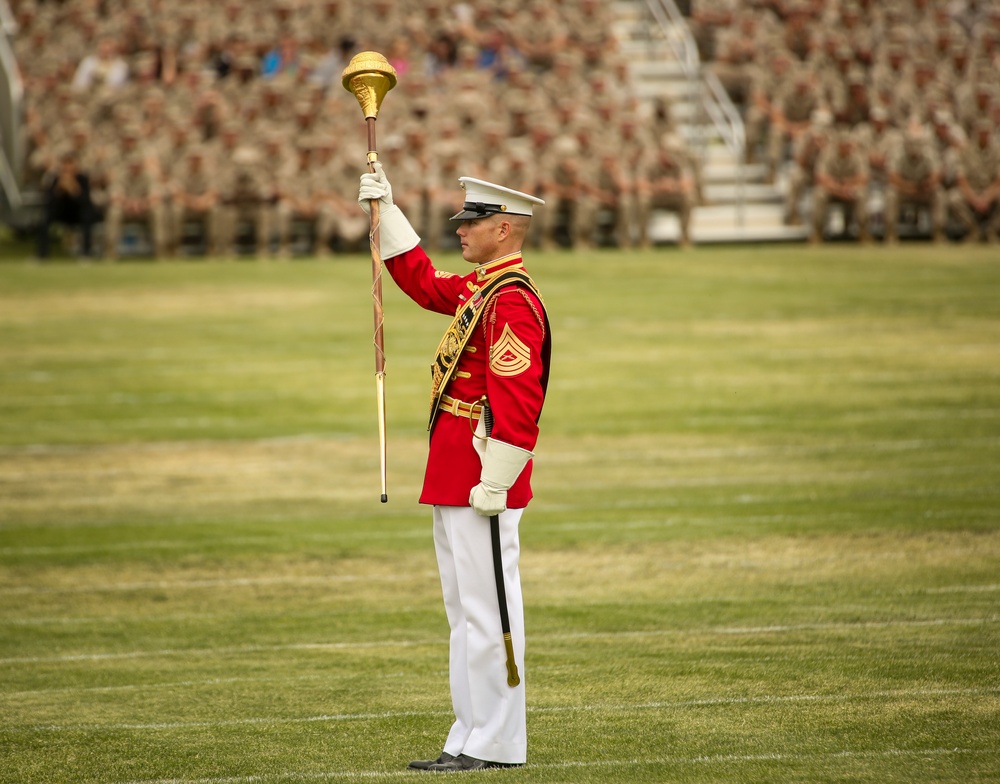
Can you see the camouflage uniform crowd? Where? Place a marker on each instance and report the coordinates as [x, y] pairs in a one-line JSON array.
[[228, 121], [887, 108]]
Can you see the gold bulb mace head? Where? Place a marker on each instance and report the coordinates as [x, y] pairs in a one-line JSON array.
[[369, 76]]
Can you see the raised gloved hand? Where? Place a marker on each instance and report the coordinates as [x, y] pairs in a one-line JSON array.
[[502, 465], [375, 185], [396, 235]]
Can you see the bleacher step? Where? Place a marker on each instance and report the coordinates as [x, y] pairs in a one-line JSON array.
[[714, 225], [749, 192], [740, 206], [712, 172]]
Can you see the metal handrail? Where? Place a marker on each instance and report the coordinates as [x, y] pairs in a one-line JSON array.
[[714, 101], [8, 184], [728, 122], [8, 22], [11, 111], [669, 18]]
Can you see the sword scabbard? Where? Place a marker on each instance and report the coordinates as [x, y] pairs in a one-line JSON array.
[[513, 679]]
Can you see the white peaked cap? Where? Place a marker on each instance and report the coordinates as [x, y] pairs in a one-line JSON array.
[[484, 198]]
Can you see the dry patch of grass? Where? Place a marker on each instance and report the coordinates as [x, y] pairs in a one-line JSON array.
[[142, 303], [184, 476], [716, 569]]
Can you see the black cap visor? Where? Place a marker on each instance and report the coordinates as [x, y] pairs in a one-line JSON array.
[[477, 209]]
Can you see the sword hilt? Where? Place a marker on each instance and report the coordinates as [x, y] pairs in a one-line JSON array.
[[487, 415]]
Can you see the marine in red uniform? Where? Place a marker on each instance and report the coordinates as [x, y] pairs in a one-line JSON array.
[[488, 387]]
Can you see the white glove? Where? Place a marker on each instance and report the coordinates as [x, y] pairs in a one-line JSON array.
[[396, 235], [374, 185], [502, 465]]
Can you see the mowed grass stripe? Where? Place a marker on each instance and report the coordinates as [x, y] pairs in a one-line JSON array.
[[608, 637], [884, 697], [195, 585], [607, 765], [107, 619]]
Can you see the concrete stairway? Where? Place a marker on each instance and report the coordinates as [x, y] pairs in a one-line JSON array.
[[738, 204]]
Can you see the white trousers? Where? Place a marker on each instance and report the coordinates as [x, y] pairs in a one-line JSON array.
[[490, 716]]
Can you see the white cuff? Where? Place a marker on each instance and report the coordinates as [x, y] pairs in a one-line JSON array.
[[502, 464], [396, 235]]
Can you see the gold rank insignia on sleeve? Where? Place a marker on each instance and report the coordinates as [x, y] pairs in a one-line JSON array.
[[509, 356]]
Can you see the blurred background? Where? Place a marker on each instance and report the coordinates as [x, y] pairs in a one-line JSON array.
[[156, 128]]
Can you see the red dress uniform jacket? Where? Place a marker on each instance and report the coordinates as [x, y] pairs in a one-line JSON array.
[[504, 359]]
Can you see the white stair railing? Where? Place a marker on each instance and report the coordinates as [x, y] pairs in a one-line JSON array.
[[11, 111], [715, 107]]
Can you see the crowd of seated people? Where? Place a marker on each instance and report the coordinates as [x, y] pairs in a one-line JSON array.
[[229, 120], [888, 111]]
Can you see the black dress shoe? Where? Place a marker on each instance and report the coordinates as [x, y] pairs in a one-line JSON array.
[[426, 764], [465, 762]]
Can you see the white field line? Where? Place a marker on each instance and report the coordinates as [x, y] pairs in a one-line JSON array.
[[774, 629], [708, 702], [110, 547], [134, 688], [645, 762], [220, 652], [612, 636], [98, 620], [188, 544], [176, 685], [964, 589], [247, 582], [232, 582]]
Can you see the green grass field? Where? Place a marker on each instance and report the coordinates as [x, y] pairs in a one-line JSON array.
[[765, 545]]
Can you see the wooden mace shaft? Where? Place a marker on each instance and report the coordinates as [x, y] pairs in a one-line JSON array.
[[379, 336]]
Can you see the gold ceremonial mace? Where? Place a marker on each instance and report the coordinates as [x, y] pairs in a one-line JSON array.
[[369, 76]]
